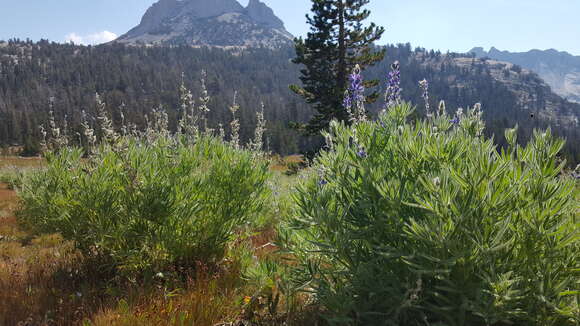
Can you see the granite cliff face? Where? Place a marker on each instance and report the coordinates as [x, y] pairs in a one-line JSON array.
[[560, 70], [263, 14], [223, 23], [532, 93]]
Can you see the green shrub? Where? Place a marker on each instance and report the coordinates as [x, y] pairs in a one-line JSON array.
[[151, 206], [429, 224]]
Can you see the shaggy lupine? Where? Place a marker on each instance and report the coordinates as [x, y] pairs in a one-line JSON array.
[[191, 116], [188, 122], [442, 108], [258, 142], [478, 112], [347, 102], [58, 138], [221, 132], [354, 97], [124, 128], [393, 93], [105, 124], [204, 102], [88, 132], [65, 129], [416, 232], [576, 172], [43, 135], [458, 115], [424, 85], [184, 101], [160, 121], [328, 140], [235, 124], [322, 180], [361, 153], [54, 130]]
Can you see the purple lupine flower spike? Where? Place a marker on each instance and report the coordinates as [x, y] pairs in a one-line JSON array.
[[458, 114], [354, 97], [576, 173], [362, 153], [393, 93], [356, 86], [347, 102]]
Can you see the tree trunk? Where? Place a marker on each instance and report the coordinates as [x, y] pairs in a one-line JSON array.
[[341, 68]]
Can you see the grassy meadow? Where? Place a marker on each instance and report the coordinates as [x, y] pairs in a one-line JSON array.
[[58, 270], [397, 221]]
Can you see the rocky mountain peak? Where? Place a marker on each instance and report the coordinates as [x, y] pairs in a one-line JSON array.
[[209, 8], [263, 14], [209, 22]]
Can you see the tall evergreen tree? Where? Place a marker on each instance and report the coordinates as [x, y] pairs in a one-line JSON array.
[[337, 42]]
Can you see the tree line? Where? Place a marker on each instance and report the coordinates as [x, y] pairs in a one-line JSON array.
[[135, 80]]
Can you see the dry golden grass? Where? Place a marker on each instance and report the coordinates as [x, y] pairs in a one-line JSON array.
[[208, 300], [43, 279], [36, 273], [281, 163], [21, 162]]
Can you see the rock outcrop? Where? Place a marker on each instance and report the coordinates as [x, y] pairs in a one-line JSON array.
[[560, 70], [223, 23]]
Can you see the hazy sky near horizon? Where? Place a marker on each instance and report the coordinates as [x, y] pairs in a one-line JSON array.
[[456, 25]]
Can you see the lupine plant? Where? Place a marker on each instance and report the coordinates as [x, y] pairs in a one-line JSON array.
[[354, 97], [424, 85], [393, 93], [429, 224], [149, 202], [235, 124], [151, 207]]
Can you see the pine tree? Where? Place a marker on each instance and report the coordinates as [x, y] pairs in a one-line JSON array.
[[336, 43]]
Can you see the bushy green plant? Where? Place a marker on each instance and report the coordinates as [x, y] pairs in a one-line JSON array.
[[429, 224], [148, 205]]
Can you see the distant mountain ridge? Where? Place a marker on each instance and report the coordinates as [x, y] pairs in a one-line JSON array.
[[223, 23], [560, 70], [140, 78]]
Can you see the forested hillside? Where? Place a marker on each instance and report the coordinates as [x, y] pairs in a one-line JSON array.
[[139, 79]]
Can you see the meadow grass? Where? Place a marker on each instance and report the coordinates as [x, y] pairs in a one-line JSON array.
[[37, 273], [44, 279], [396, 223]]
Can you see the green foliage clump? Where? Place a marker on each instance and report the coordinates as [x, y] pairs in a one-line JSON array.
[[148, 206], [429, 224]]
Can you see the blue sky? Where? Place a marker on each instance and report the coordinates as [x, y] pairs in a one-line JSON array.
[[456, 25]]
